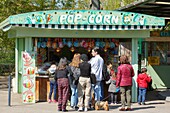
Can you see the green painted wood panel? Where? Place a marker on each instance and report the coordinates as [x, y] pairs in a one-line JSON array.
[[21, 47], [26, 32], [85, 17]]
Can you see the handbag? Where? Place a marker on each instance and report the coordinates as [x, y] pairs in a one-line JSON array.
[[117, 89], [93, 78]]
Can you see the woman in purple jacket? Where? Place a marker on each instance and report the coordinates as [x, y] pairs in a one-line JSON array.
[[124, 81]]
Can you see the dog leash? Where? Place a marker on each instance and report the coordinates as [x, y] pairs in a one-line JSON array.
[[106, 97]]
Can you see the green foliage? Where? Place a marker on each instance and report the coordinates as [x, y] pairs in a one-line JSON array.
[[13, 7]]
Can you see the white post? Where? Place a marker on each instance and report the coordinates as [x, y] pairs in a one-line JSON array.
[[15, 82]]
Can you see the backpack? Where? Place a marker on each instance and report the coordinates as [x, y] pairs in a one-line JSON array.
[[105, 73]]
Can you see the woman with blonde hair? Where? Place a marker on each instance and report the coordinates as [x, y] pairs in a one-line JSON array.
[[74, 66]]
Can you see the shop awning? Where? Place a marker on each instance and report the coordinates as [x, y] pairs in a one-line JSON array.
[[83, 20]]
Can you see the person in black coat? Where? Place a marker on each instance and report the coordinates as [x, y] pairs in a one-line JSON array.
[[84, 85]]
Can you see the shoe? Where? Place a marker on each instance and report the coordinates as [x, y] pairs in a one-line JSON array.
[[111, 103], [139, 103], [49, 101], [80, 109], [85, 109], [143, 103], [122, 109], [73, 107], [59, 110], [54, 101], [65, 110], [128, 109]]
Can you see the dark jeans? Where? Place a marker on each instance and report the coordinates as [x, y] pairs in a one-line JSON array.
[[53, 87], [142, 95]]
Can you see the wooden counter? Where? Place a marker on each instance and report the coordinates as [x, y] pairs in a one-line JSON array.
[[42, 88]]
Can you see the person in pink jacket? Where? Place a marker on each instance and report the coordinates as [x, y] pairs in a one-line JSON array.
[[143, 79], [124, 81]]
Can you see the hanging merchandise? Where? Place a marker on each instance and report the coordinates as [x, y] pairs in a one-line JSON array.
[[60, 43], [69, 43], [72, 48], [49, 43], [39, 43], [82, 43], [107, 43], [112, 45], [97, 44], [89, 46], [102, 43], [76, 43], [54, 44], [43, 43], [64, 42]]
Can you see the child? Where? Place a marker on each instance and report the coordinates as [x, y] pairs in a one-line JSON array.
[[53, 83], [143, 79], [112, 87]]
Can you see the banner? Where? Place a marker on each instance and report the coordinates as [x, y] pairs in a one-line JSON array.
[[28, 77]]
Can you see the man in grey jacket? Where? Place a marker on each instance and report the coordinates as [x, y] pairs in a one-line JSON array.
[[96, 68]]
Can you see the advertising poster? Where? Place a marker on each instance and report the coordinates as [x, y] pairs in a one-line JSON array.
[[28, 77]]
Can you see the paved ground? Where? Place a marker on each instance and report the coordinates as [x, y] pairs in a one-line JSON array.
[[153, 105]]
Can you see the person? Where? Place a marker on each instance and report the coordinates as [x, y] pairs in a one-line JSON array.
[[84, 85], [61, 75], [96, 68], [125, 73], [112, 87], [105, 77], [53, 83], [143, 79], [74, 66]]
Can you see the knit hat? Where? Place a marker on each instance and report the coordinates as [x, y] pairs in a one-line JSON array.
[[63, 61], [84, 57]]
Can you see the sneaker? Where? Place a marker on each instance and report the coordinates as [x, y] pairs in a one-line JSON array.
[[59, 110], [122, 109], [49, 101], [143, 103], [111, 103], [85, 109], [128, 109], [139, 103], [64, 110], [80, 109], [54, 101]]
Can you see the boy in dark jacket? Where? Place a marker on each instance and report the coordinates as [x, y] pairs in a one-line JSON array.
[[143, 79]]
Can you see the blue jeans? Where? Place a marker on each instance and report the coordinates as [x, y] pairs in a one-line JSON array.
[[142, 95], [97, 90], [74, 95], [53, 87], [102, 90]]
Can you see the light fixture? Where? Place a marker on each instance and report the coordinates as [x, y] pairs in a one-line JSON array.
[[105, 49], [89, 49], [58, 49], [72, 49]]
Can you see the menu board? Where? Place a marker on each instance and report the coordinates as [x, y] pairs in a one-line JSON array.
[[28, 77]]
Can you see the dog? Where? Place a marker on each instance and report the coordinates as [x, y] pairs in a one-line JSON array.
[[99, 104], [102, 105]]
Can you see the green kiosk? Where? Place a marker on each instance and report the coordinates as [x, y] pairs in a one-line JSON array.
[[44, 36]]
